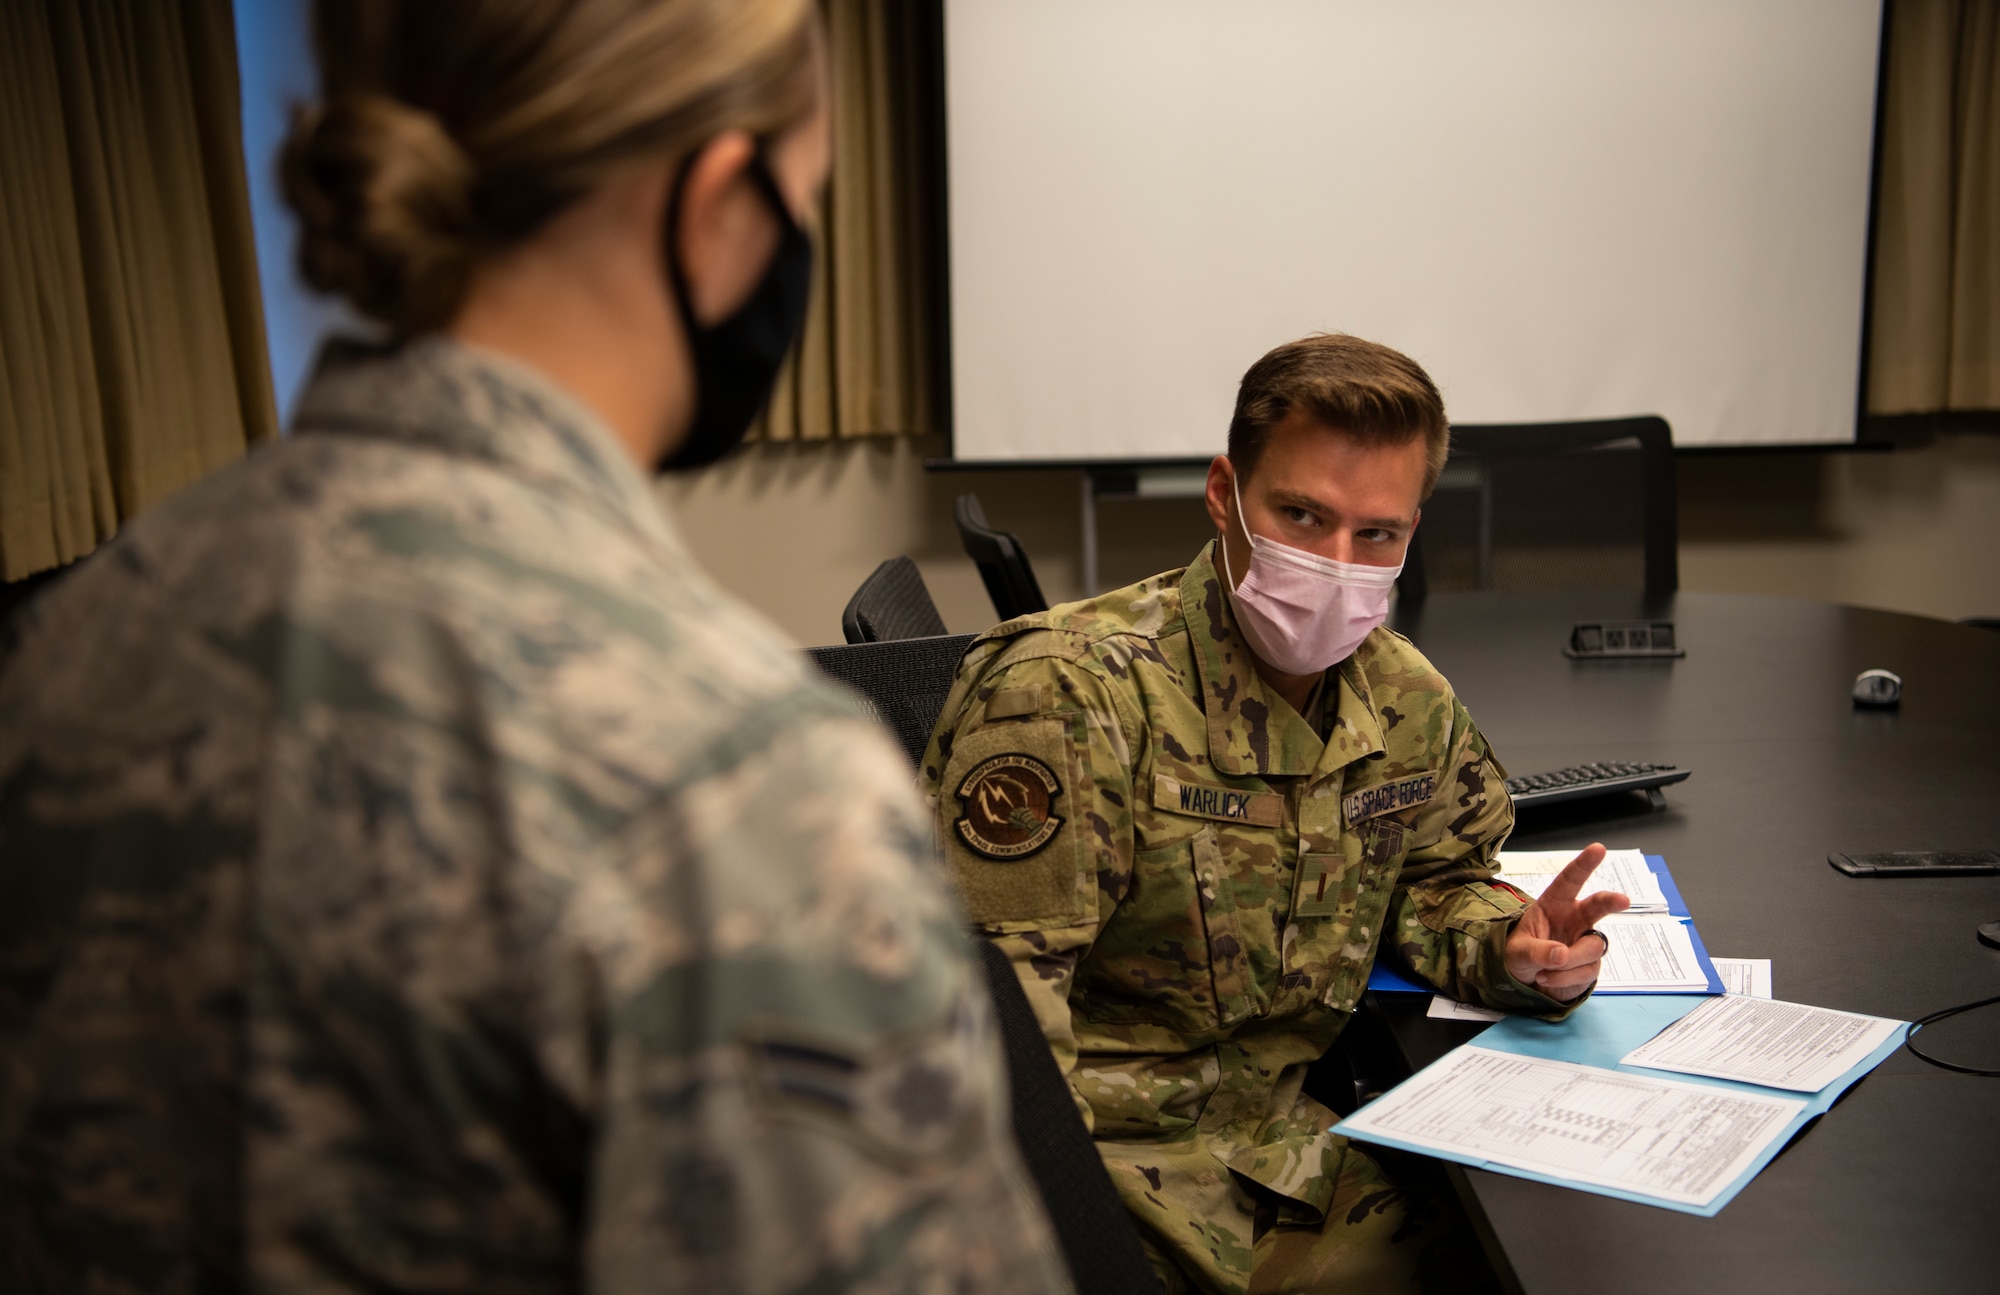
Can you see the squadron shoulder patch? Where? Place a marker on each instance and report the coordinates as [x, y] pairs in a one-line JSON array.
[[1008, 804], [1387, 797]]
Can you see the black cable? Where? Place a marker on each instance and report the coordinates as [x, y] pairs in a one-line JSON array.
[[1910, 1039]]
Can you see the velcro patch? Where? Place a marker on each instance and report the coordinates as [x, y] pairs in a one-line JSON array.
[[1009, 806], [1005, 874], [1318, 892], [1011, 702], [1387, 797], [1260, 808]]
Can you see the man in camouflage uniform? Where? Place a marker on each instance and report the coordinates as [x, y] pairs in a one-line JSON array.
[[415, 875], [1193, 858]]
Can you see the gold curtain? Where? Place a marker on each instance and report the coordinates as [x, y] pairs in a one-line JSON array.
[[131, 330], [1934, 342], [868, 362]]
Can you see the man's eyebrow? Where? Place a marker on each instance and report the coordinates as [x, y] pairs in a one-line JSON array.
[[1282, 496]]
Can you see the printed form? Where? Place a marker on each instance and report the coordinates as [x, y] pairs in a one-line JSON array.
[[1750, 976], [1625, 871], [1652, 952], [1450, 1009], [1653, 1137], [1760, 1041]]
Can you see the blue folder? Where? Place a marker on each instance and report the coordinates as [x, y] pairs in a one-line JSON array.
[[1389, 978], [1605, 1029]]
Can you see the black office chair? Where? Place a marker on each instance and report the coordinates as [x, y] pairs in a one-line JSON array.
[[1096, 1233], [906, 682], [892, 603], [1003, 563], [1551, 505], [1981, 622]]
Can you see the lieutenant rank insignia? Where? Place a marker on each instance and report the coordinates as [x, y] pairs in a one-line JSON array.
[[1009, 805], [1387, 797]]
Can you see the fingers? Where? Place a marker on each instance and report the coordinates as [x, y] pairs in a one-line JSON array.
[[1542, 955], [1529, 955], [1570, 880], [1602, 904], [1566, 986], [1575, 969], [1562, 971], [1553, 955]]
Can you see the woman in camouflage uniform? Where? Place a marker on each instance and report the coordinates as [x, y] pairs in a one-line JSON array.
[[418, 876]]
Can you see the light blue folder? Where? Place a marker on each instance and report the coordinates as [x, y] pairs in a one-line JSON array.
[[1605, 1029]]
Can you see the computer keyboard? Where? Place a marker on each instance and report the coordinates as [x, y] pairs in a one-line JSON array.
[[1579, 781]]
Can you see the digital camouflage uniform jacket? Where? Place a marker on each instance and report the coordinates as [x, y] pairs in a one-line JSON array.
[[1193, 886], [418, 877]]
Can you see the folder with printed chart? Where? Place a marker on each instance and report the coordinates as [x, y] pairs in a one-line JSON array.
[[1627, 1097], [1654, 947]]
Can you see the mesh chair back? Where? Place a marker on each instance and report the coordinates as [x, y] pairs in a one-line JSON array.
[[1003, 563], [1588, 505], [1097, 1235], [891, 603], [904, 680]]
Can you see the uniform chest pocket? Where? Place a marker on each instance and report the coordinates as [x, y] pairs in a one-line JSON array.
[[1338, 908], [1172, 954]]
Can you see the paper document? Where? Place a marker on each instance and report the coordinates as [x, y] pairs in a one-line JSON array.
[[1759, 1041], [1624, 871], [1655, 1137], [1652, 952], [1750, 976], [1450, 1009]]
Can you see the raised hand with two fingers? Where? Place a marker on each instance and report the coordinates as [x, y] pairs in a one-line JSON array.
[[1555, 945]]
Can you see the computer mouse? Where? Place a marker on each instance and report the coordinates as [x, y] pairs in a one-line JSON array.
[[1877, 688], [1990, 934]]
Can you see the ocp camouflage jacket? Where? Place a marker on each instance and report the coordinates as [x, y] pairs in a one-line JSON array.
[[1193, 885]]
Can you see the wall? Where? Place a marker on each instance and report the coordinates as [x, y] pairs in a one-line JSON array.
[[1916, 529], [794, 529], [275, 72]]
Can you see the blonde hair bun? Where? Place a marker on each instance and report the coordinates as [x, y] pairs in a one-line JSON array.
[[384, 199], [451, 130]]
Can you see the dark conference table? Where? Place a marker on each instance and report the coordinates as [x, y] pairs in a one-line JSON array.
[[1898, 1187]]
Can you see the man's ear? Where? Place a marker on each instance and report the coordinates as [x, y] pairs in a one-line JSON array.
[[1218, 493]]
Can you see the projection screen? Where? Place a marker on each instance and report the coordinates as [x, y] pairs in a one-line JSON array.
[[1562, 208]]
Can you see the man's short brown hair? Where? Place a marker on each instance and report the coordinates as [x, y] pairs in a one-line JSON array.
[[1361, 389]]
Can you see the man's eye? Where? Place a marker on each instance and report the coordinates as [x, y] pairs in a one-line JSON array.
[[1300, 517], [1376, 535]]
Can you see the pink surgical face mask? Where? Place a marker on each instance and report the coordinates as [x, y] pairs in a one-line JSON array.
[[1303, 613]]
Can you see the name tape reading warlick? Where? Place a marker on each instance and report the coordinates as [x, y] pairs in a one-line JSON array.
[[1261, 808]]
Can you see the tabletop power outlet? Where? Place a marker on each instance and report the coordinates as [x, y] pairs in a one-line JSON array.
[[1623, 640]]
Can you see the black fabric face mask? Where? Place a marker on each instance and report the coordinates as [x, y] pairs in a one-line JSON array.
[[736, 360]]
